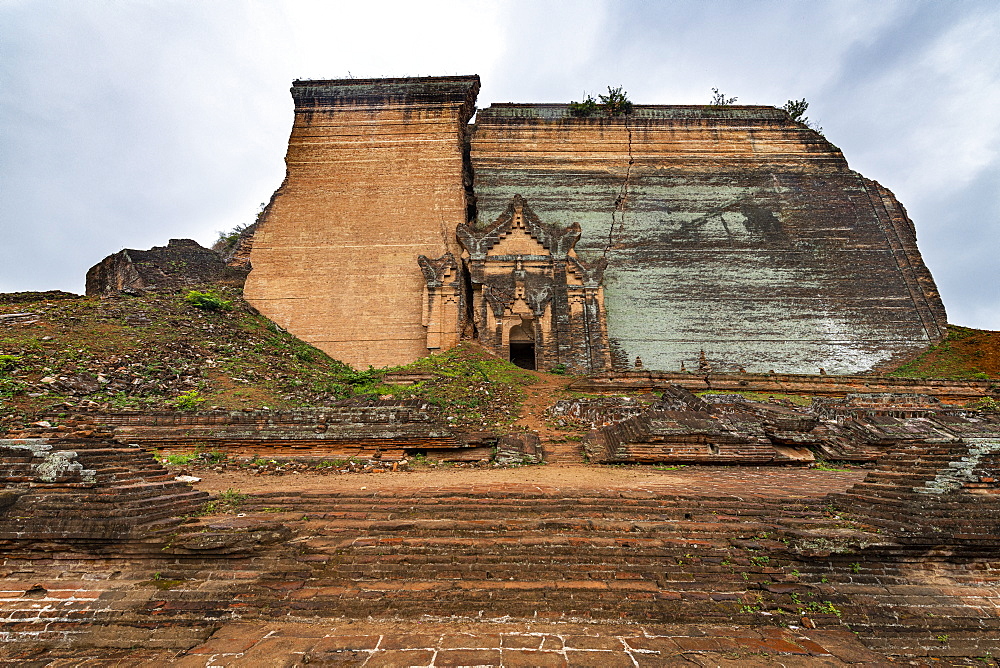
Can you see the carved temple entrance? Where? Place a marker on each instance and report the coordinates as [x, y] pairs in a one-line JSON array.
[[525, 291], [522, 345]]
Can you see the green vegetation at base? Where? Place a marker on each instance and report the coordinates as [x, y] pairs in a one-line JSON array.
[[189, 401], [198, 456], [827, 465], [163, 352], [227, 502], [470, 385], [9, 386], [208, 301]]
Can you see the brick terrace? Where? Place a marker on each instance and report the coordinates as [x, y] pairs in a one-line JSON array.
[[556, 565]]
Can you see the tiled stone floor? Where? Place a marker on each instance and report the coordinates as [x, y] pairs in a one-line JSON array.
[[463, 643]]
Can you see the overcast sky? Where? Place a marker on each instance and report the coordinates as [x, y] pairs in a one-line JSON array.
[[125, 124]]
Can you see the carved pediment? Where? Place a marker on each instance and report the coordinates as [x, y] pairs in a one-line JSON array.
[[528, 296], [518, 218]]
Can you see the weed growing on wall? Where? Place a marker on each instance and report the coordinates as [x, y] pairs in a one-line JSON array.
[[719, 99]]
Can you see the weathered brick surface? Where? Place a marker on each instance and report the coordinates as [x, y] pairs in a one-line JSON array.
[[375, 178], [377, 428], [732, 232], [85, 494], [950, 391], [532, 573]]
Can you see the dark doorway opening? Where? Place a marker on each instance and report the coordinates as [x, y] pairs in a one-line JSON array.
[[523, 355]]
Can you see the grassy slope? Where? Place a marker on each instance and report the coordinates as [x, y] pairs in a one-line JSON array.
[[964, 353], [160, 352]]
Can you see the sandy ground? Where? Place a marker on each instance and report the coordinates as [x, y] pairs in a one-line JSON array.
[[689, 480]]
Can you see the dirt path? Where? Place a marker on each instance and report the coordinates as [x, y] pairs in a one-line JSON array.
[[538, 397], [708, 481]]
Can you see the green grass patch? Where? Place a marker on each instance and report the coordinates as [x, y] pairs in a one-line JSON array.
[[764, 397], [227, 502]]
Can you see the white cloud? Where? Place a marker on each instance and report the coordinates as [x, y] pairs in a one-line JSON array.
[[129, 123]]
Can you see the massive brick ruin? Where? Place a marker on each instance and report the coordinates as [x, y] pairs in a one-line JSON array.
[[725, 237], [724, 240], [376, 177]]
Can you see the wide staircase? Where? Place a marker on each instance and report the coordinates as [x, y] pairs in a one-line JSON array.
[[640, 557], [624, 555], [490, 553]]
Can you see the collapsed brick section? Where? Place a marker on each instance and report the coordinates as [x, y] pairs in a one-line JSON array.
[[181, 263], [682, 436], [949, 391], [90, 494], [939, 480], [728, 428]]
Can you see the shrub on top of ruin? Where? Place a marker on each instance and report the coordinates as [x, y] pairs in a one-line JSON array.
[[720, 100], [208, 301], [227, 240], [797, 112], [588, 107], [615, 103]]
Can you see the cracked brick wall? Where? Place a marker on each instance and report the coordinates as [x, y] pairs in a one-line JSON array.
[[734, 237]]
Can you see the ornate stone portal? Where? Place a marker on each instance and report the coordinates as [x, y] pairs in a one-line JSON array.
[[524, 292]]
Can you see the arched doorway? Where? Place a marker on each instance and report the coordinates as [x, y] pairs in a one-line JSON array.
[[522, 345]]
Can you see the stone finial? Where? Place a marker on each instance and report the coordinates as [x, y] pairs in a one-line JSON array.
[[703, 364], [436, 271]]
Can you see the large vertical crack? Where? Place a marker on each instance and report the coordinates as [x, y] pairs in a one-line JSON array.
[[621, 201], [469, 175]]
